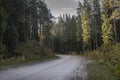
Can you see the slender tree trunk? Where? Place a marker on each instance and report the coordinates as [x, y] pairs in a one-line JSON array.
[[115, 30]]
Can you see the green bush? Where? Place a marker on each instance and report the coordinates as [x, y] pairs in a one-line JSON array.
[[115, 58], [109, 55], [3, 51], [117, 70], [48, 52], [112, 58], [33, 50], [30, 50], [96, 55]]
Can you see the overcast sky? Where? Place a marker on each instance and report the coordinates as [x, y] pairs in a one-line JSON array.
[[58, 7]]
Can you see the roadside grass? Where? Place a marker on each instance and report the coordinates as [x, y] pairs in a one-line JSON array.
[[98, 71], [17, 62]]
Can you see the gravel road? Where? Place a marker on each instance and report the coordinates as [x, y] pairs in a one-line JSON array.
[[65, 68]]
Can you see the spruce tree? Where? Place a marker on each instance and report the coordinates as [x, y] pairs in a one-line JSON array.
[[5, 10], [86, 26], [96, 24], [79, 27]]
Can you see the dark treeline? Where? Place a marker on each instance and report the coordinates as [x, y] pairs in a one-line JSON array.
[[96, 25], [22, 22], [64, 34]]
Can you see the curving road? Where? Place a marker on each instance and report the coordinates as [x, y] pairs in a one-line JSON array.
[[64, 68]]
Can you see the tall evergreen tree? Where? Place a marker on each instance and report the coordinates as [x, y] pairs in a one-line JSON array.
[[34, 20], [44, 21], [16, 29], [79, 28], [86, 26], [5, 10], [96, 24]]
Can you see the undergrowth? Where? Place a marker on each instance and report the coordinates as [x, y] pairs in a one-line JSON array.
[[110, 56], [29, 51]]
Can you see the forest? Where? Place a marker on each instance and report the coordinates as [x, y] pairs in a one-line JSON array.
[[29, 31], [22, 23]]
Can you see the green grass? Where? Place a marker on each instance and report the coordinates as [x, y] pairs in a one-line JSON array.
[[97, 71]]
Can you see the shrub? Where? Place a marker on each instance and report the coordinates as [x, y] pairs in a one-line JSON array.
[[30, 50], [96, 55], [33, 50], [112, 58], [48, 51], [109, 55], [3, 51], [117, 70], [115, 58]]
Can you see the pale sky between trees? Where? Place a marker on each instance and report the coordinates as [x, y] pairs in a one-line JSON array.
[[58, 7]]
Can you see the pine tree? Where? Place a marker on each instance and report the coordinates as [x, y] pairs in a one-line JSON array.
[[44, 21], [5, 10], [79, 28], [86, 26], [16, 30], [34, 20], [96, 24]]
